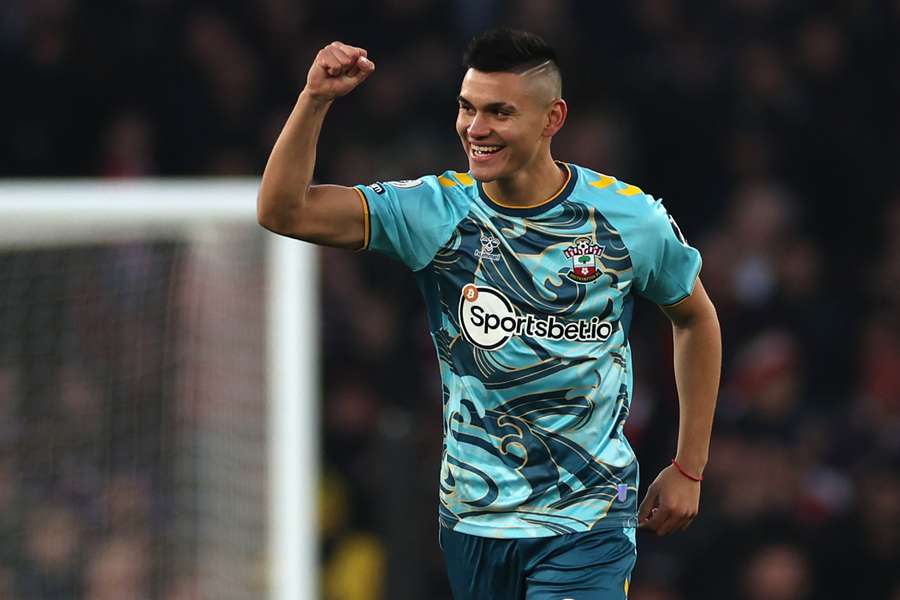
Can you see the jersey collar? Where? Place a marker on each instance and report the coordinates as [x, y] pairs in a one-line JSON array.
[[544, 205]]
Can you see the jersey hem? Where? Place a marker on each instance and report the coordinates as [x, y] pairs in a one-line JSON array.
[[486, 531]]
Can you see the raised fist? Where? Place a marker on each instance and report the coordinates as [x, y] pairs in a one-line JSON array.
[[337, 69]]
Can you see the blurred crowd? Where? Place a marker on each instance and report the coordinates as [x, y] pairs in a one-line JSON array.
[[86, 503], [770, 128]]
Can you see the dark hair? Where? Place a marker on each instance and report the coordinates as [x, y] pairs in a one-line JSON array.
[[508, 51]]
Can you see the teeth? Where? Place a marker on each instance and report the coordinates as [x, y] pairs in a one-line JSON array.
[[482, 150]]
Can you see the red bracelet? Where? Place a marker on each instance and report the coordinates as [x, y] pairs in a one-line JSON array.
[[685, 473]]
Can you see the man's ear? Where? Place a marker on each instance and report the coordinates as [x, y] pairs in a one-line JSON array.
[[556, 117]]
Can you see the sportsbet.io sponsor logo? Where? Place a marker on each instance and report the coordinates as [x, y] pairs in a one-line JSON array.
[[488, 320]]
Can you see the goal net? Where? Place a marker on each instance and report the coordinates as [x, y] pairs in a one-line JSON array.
[[158, 394]]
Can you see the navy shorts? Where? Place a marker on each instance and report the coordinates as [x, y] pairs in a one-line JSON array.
[[595, 565]]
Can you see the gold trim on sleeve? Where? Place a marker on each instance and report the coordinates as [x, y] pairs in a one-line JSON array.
[[366, 225]]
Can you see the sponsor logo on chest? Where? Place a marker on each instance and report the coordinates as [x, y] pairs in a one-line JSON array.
[[489, 320]]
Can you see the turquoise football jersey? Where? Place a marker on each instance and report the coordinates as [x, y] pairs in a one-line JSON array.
[[529, 310]]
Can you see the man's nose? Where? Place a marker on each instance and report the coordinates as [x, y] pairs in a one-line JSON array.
[[478, 127]]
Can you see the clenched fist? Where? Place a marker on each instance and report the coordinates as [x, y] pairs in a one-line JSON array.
[[671, 503], [337, 69]]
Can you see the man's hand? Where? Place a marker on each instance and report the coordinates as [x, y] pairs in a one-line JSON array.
[[288, 203], [338, 69], [671, 503]]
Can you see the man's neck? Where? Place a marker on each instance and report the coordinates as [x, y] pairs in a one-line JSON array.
[[528, 187]]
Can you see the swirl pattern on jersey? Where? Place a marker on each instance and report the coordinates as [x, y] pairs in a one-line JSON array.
[[533, 430]]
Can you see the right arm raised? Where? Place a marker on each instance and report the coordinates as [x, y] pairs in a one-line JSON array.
[[331, 215]]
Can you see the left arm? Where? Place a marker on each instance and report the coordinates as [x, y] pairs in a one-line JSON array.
[[673, 500]]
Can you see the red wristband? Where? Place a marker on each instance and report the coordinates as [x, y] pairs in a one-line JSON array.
[[685, 473]]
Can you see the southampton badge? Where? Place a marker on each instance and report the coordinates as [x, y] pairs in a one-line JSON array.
[[584, 260]]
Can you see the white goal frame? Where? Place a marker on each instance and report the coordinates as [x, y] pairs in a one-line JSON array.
[[39, 213]]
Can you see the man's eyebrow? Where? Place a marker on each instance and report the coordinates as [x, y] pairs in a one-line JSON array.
[[493, 106]]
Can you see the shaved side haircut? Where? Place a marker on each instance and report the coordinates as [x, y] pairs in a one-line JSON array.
[[505, 50]]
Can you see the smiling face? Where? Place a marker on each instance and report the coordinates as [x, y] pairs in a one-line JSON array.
[[506, 121]]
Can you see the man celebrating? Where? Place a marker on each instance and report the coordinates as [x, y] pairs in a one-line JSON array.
[[529, 268]]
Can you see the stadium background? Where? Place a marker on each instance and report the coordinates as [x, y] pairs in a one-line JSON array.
[[770, 128]]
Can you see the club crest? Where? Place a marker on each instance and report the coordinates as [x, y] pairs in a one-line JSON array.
[[584, 255]]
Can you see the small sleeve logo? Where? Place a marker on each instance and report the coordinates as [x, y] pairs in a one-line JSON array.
[[406, 183]]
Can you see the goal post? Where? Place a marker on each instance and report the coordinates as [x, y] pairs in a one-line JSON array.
[[63, 214]]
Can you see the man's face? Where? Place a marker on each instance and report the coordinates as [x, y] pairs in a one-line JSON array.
[[502, 120]]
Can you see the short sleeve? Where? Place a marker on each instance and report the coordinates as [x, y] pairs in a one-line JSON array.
[[407, 220], [667, 266]]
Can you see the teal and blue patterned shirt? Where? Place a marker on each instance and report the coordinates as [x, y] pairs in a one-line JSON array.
[[529, 309]]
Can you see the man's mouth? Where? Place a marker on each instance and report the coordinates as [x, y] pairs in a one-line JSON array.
[[483, 151]]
